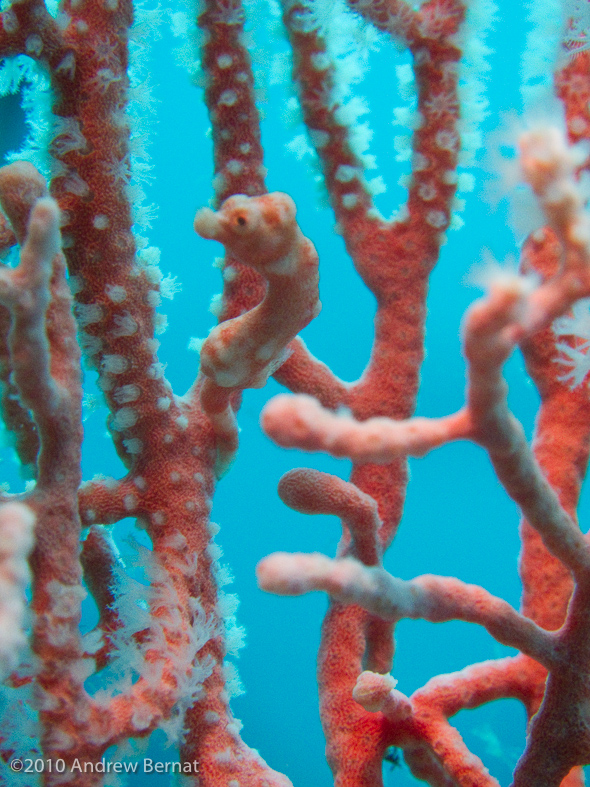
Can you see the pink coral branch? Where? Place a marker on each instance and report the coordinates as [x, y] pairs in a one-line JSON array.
[[302, 373], [301, 422], [312, 492], [431, 598], [16, 540]]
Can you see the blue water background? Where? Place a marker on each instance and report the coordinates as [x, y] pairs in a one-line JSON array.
[[458, 521]]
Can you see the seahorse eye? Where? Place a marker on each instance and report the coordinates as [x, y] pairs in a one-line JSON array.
[[241, 221]]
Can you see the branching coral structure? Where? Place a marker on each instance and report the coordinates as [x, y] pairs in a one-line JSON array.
[[80, 288]]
